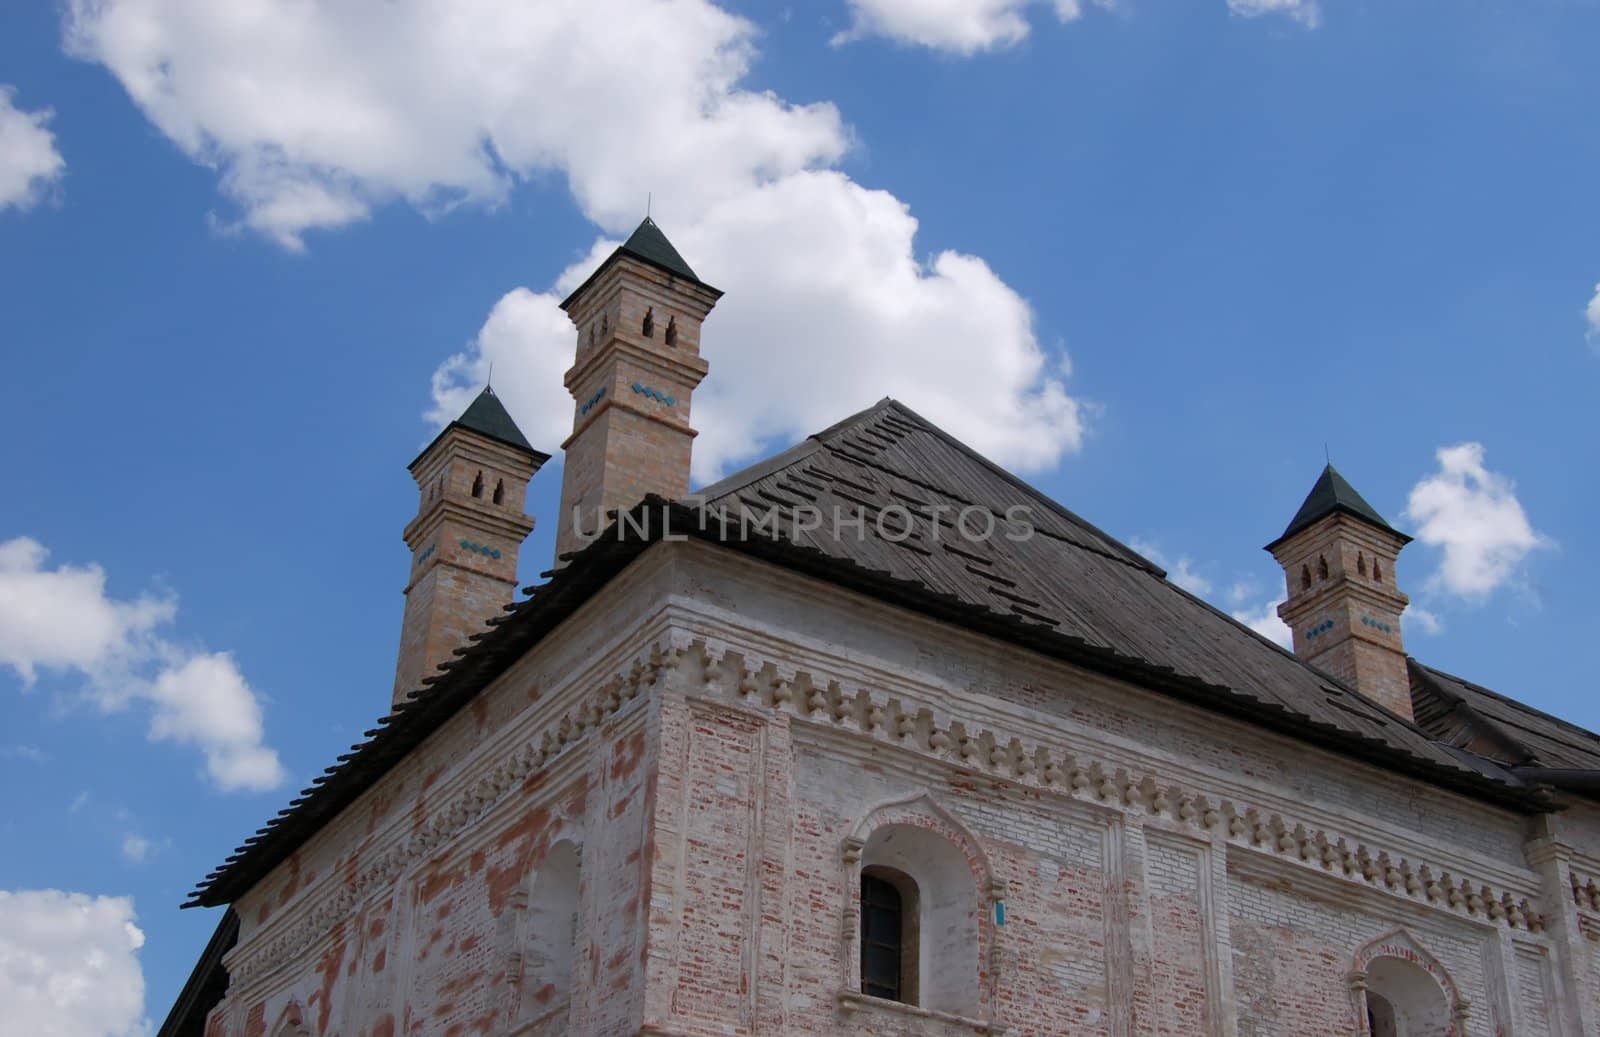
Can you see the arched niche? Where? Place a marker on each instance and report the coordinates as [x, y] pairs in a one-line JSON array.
[[933, 870], [1401, 990], [545, 944], [291, 1022]]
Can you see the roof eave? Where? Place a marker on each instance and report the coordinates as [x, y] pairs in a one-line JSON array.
[[539, 456], [620, 252], [1337, 509]]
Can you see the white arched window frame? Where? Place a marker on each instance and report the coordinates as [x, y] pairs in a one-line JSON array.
[[956, 899], [545, 936], [1399, 989]]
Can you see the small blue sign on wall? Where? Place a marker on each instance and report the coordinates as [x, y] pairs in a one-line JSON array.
[[999, 912]]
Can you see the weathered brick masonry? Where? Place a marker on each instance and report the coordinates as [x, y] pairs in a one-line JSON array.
[[656, 816], [716, 800]]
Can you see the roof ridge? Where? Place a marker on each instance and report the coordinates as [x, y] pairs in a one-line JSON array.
[[1486, 725], [1131, 556], [1501, 697]]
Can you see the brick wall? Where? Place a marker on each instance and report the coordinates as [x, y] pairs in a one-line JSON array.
[[724, 745]]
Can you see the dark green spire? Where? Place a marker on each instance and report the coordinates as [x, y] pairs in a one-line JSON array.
[[649, 244], [1333, 493], [487, 416]]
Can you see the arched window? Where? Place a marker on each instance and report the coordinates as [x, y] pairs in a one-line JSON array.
[[1361, 563], [1403, 1000], [919, 927], [605, 324], [1403, 991], [672, 331], [888, 935], [1305, 578], [649, 328], [1381, 1020], [1322, 568], [499, 491], [1377, 573], [549, 942], [477, 485]]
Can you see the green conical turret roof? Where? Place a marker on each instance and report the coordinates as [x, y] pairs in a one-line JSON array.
[[1333, 493], [648, 245], [487, 416]]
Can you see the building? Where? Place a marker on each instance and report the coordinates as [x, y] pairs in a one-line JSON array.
[[873, 738]]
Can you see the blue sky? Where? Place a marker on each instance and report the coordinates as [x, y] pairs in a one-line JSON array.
[[1155, 255]]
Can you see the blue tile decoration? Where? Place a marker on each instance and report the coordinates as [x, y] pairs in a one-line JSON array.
[[655, 394], [1375, 624], [482, 549], [1320, 629]]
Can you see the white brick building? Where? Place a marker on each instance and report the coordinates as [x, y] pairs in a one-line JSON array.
[[873, 738]]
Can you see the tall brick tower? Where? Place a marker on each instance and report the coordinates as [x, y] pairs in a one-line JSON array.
[[473, 479], [638, 360], [1338, 557]]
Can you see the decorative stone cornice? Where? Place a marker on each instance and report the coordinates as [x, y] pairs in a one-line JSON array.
[[813, 697], [447, 820], [1585, 891]]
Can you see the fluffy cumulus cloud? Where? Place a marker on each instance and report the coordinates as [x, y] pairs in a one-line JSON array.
[[62, 618], [1182, 572], [1424, 620], [1472, 515], [1593, 315], [1264, 621], [839, 317], [958, 26], [315, 113], [1306, 12], [29, 161], [69, 965]]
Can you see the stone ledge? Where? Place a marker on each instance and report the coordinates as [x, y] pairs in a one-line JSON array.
[[854, 1001]]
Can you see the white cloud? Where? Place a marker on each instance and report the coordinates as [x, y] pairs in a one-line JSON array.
[[1264, 621], [1306, 12], [63, 619], [135, 848], [1426, 621], [30, 753], [318, 113], [957, 26], [1241, 591], [205, 702], [839, 317], [29, 161], [1472, 514], [315, 114], [1593, 315], [69, 965], [1182, 572]]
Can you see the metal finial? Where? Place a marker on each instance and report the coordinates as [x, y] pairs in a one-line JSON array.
[[648, 197], [488, 383]]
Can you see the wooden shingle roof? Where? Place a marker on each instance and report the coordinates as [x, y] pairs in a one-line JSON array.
[[1470, 716], [1053, 584]]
